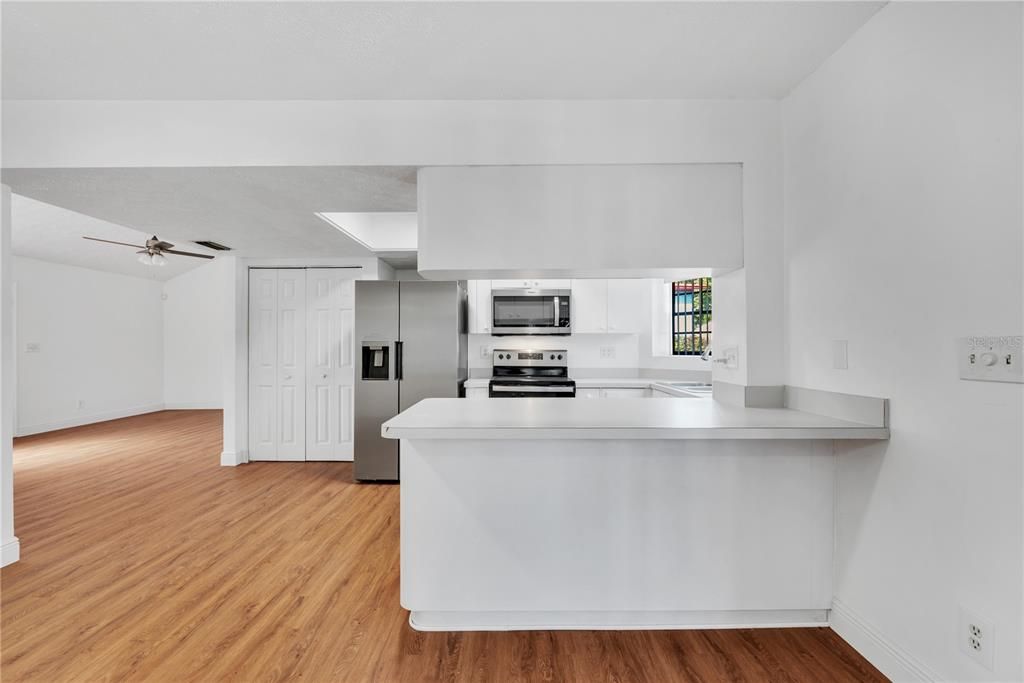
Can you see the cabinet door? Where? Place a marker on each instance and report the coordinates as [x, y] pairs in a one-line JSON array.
[[330, 364], [552, 284], [477, 392], [589, 306], [512, 284], [625, 392], [627, 301], [277, 364], [478, 295]]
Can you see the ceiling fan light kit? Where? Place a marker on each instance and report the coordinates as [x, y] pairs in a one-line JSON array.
[[153, 251], [156, 259]]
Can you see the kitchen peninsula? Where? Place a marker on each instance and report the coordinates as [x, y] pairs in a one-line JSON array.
[[619, 513]]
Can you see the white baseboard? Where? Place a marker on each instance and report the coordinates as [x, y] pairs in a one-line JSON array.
[[192, 405], [615, 620], [93, 418], [893, 661], [10, 552], [231, 459]]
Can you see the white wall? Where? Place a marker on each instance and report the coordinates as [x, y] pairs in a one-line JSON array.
[[903, 231], [10, 549], [195, 307], [100, 340]]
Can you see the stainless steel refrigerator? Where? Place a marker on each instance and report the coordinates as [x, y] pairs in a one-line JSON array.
[[412, 345]]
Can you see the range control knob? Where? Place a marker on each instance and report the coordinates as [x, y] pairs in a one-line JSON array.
[[559, 356], [501, 356], [552, 356]]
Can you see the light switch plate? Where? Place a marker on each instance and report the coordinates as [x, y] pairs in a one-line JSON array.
[[32, 347], [991, 359], [730, 357]]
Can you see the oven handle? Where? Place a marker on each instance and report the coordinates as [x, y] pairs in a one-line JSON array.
[[531, 390]]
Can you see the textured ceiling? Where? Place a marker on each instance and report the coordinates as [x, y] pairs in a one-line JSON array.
[[418, 50], [50, 233], [258, 211]]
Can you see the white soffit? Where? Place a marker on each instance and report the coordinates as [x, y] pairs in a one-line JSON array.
[[418, 50]]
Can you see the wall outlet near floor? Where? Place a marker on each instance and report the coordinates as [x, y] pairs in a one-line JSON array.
[[607, 352], [991, 359], [977, 639]]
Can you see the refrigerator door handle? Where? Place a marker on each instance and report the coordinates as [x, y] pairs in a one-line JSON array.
[[398, 360]]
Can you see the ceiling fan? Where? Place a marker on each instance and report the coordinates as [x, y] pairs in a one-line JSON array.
[[153, 253]]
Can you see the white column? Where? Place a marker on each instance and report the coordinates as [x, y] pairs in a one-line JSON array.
[[236, 371], [10, 549]]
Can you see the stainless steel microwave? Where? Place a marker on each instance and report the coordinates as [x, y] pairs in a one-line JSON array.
[[530, 311]]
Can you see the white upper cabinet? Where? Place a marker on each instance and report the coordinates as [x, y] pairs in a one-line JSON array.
[[627, 302], [478, 294], [589, 306], [530, 284]]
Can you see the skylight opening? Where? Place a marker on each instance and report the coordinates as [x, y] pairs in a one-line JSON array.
[[378, 231]]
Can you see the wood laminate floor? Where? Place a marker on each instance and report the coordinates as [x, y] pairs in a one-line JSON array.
[[143, 559]]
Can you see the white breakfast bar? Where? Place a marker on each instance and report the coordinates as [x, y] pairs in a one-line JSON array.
[[616, 513]]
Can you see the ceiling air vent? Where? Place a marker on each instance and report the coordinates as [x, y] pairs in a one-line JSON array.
[[212, 245]]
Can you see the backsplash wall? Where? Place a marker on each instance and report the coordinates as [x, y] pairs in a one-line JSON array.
[[584, 350]]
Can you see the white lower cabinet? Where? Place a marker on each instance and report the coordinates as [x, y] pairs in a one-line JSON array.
[[477, 392], [612, 392], [625, 392]]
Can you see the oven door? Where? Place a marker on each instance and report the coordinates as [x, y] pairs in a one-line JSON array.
[[499, 389], [530, 311]]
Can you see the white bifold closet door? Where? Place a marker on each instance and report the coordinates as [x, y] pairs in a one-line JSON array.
[[330, 296], [277, 364], [300, 364]]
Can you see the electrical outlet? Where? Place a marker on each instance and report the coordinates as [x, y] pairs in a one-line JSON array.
[[977, 639], [32, 347], [485, 352], [991, 359], [81, 404], [607, 352]]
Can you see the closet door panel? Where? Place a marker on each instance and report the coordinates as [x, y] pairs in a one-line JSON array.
[[291, 355], [330, 362], [263, 427]]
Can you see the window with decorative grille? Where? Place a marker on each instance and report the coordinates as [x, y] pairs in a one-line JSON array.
[[691, 316]]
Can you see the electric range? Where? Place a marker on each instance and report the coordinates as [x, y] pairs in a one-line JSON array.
[[531, 373]]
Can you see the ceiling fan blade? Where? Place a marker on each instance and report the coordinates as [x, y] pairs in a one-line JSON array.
[[125, 244], [185, 253], [163, 246]]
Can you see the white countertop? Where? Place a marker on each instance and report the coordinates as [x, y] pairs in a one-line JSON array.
[[614, 418]]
